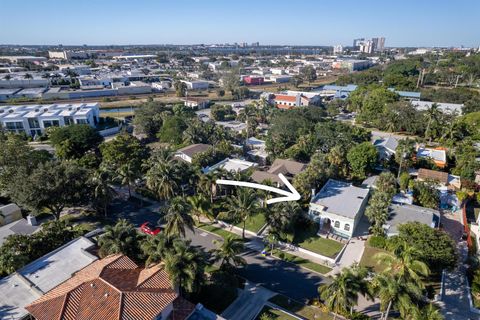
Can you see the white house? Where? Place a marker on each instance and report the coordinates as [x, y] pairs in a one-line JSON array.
[[188, 152], [232, 165], [338, 207], [386, 147], [197, 85], [34, 119]]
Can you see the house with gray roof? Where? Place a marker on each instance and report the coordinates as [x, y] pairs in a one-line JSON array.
[[188, 152], [386, 147], [338, 207], [403, 213]]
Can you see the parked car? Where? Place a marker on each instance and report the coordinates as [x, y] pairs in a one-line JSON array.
[[149, 228]]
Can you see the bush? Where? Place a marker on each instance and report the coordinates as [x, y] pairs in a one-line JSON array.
[[377, 242]]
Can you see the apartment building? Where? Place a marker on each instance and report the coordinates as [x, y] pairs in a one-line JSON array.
[[34, 119]]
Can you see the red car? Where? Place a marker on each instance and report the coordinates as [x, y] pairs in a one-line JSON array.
[[149, 228]]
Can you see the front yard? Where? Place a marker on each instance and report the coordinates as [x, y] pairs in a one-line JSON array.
[[304, 311], [309, 240], [254, 223], [304, 263], [369, 261]]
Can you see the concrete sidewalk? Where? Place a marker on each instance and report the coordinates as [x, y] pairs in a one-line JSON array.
[[249, 303]]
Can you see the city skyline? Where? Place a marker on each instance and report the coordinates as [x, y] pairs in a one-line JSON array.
[[111, 22]]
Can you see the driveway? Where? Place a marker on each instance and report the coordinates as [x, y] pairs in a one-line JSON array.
[[249, 303]]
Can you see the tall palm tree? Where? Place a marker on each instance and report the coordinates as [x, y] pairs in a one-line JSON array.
[[341, 295], [200, 206], [163, 178], [184, 266], [120, 238], [429, 312], [395, 293], [156, 248], [281, 217], [227, 253], [241, 207], [402, 263], [103, 191], [177, 218], [432, 116], [207, 184], [127, 174]]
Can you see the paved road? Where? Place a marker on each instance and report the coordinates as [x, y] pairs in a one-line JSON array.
[[274, 274]]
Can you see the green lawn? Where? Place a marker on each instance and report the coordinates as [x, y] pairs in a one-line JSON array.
[[304, 263], [369, 261], [218, 231], [308, 239], [307, 312], [274, 314], [254, 223]]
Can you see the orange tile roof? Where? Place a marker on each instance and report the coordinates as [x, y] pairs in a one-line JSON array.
[[110, 288], [284, 97]]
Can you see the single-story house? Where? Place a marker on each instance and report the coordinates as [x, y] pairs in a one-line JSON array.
[[444, 179], [338, 207], [196, 103], [386, 147], [188, 152], [437, 155], [231, 165], [449, 108], [289, 168], [403, 213], [257, 150]]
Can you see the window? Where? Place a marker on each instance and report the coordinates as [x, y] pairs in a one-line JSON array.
[[33, 123], [68, 121], [347, 227], [51, 123], [14, 126], [337, 224], [82, 121]]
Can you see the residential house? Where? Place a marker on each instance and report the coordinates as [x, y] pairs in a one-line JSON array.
[[338, 208], [187, 153], [29, 283], [386, 147], [257, 150], [402, 213], [113, 288], [196, 103], [444, 179], [437, 155], [288, 168], [231, 165]]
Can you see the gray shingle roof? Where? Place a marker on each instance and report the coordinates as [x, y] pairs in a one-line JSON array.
[[403, 213]]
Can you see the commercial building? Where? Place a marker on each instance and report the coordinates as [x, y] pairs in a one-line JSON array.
[[338, 208], [338, 49], [196, 85], [449, 108], [253, 80], [17, 59], [378, 43], [34, 119], [68, 55], [352, 65]]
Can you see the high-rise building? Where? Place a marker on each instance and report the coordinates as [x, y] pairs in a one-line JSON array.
[[356, 42], [366, 46], [337, 49], [378, 43]]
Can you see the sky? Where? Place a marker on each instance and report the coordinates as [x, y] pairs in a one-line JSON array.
[[413, 23]]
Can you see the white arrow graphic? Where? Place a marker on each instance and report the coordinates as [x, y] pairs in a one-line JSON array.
[[291, 195]]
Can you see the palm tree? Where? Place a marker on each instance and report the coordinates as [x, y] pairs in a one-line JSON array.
[[177, 217], [281, 217], [341, 295], [402, 263], [184, 266], [432, 115], [207, 183], [163, 178], [393, 292], [156, 248], [429, 312], [200, 207], [120, 238], [127, 174], [227, 252], [241, 207], [103, 190]]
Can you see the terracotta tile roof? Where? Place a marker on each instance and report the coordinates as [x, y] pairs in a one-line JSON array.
[[284, 97], [110, 288]]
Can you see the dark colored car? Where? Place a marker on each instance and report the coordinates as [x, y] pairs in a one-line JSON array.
[[150, 228]]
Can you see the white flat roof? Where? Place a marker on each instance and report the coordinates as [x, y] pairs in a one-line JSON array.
[[232, 165], [30, 282]]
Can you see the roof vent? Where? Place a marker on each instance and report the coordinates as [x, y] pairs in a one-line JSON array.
[[106, 295], [92, 285]]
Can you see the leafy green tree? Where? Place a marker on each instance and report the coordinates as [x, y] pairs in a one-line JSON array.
[[172, 130], [180, 88], [374, 106], [228, 253], [308, 73], [241, 207], [426, 194], [377, 212], [184, 265], [149, 118], [124, 149], [362, 159], [72, 142], [404, 181], [222, 112], [386, 183], [120, 238], [177, 217], [52, 186]]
